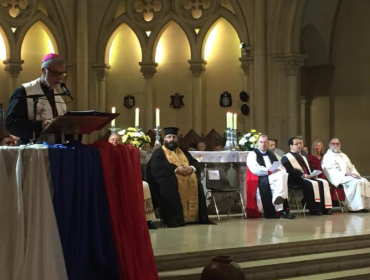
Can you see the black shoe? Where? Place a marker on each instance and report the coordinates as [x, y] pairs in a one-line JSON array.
[[359, 211], [286, 215], [279, 200], [151, 225], [365, 211], [327, 212], [315, 213]]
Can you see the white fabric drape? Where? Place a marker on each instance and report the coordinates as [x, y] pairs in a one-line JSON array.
[[30, 247]]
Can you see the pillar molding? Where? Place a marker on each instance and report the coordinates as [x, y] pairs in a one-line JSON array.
[[149, 69], [247, 65], [13, 68], [293, 64], [197, 67]]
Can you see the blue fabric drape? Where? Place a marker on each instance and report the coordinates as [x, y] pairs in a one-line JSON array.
[[82, 213]]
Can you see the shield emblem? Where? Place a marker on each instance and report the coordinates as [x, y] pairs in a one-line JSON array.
[[225, 99], [129, 101], [177, 101]]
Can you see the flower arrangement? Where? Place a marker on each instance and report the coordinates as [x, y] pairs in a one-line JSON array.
[[249, 141], [134, 136]]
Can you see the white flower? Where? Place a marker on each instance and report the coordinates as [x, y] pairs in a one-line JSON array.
[[137, 134], [248, 134], [242, 141], [122, 132], [252, 146], [252, 139]]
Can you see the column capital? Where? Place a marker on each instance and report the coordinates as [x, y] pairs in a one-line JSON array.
[[245, 62], [13, 67], [102, 71], [197, 67], [148, 69], [293, 63]]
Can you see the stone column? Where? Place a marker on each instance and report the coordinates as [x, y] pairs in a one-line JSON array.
[[197, 67], [293, 63], [13, 67], [148, 69], [102, 72], [247, 66], [82, 40], [260, 66]]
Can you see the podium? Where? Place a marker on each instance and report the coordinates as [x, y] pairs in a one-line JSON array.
[[84, 122]]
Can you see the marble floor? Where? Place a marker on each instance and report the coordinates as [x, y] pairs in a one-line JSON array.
[[235, 232]]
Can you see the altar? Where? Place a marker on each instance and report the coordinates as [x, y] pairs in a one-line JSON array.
[[234, 164]]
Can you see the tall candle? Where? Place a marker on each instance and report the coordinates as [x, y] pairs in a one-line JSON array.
[[137, 117], [157, 117], [227, 120], [235, 121], [113, 122], [231, 120]]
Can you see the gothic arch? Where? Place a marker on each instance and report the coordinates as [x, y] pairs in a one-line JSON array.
[[105, 38], [51, 29], [156, 35]]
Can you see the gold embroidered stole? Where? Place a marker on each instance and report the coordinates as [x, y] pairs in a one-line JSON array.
[[187, 185]]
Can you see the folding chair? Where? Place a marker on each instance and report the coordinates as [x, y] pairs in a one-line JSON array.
[[217, 182], [341, 203], [293, 188]]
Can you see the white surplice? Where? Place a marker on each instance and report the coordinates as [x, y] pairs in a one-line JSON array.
[[30, 247], [278, 180], [357, 191]]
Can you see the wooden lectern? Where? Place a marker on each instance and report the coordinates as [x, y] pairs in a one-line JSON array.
[[79, 122]]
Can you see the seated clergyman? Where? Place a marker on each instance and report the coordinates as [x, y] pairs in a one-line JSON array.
[[316, 191], [339, 170], [272, 192], [116, 139], [173, 177]]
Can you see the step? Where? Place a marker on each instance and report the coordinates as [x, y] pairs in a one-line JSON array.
[[352, 274], [287, 266], [262, 252]]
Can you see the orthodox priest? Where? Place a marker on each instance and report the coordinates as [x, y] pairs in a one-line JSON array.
[[339, 170], [20, 116], [174, 181], [267, 191], [316, 191]]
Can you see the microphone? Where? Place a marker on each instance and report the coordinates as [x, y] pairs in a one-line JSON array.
[[66, 91]]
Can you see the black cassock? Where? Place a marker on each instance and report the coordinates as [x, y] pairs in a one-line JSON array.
[[162, 181], [295, 177]]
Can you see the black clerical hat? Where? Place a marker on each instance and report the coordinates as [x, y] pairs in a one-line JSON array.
[[170, 130]]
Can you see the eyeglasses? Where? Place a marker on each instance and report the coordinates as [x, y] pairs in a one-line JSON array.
[[56, 73], [334, 143], [298, 144]]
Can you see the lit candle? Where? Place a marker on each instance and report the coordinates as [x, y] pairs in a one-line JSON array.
[[227, 120], [235, 121], [137, 117], [157, 117], [231, 120], [113, 123]]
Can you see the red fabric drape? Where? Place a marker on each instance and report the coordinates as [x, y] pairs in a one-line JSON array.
[[251, 188], [123, 181]]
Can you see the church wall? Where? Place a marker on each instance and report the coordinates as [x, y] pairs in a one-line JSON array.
[[223, 73], [173, 76], [124, 76], [320, 120], [351, 83]]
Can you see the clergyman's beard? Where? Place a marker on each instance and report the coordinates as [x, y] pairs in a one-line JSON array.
[[336, 150], [170, 145]]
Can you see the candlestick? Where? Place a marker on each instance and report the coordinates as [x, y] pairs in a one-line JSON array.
[[137, 117], [113, 122], [157, 118]]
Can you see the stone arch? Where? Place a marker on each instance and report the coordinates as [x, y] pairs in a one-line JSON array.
[[207, 28], [314, 45], [106, 36], [156, 35], [51, 29]]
